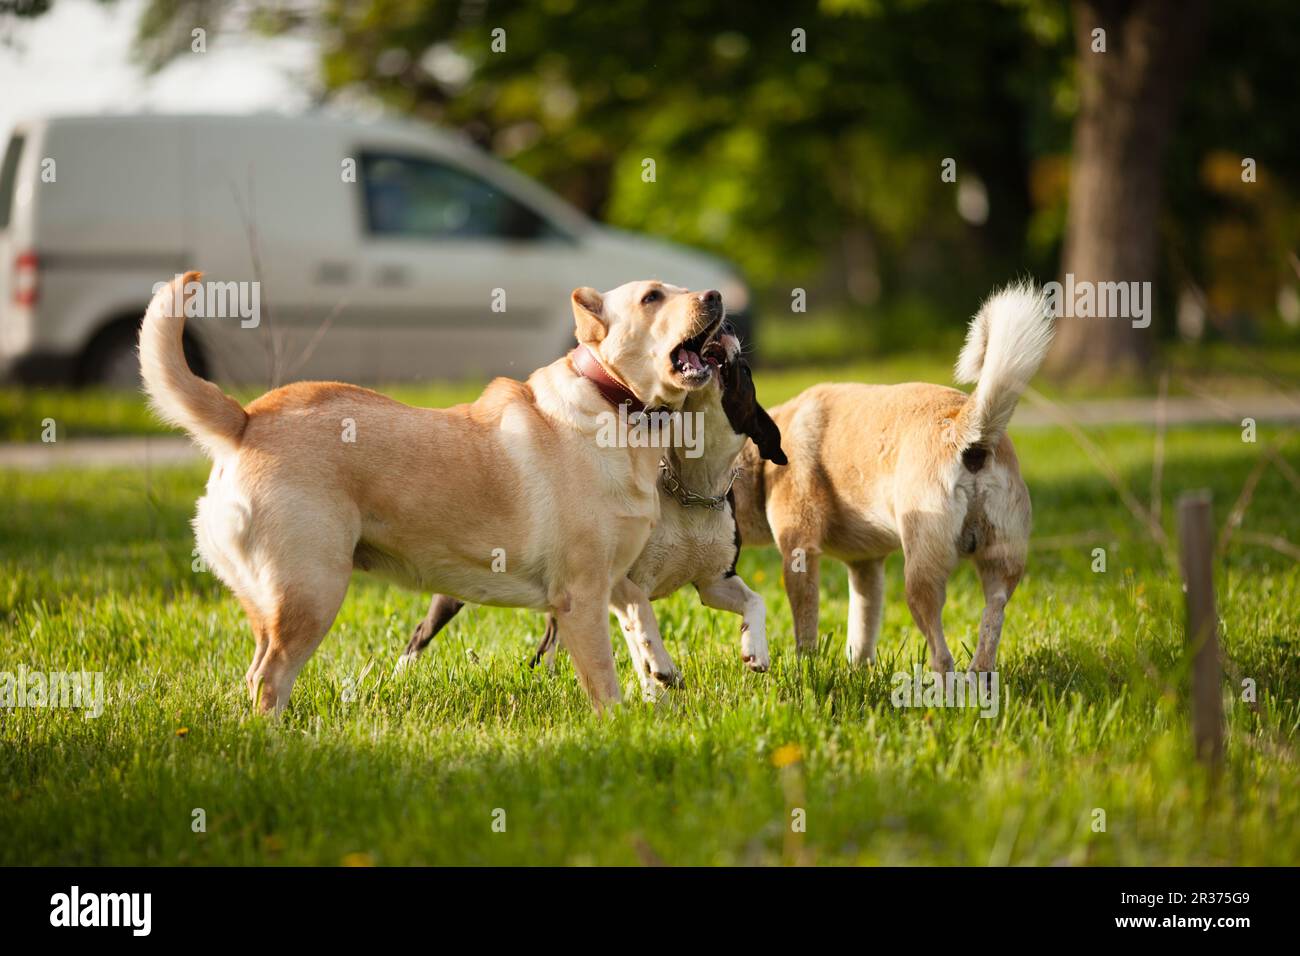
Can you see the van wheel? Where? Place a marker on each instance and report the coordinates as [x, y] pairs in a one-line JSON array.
[[111, 360]]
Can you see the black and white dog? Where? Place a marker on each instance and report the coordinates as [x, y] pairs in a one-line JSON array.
[[696, 539]]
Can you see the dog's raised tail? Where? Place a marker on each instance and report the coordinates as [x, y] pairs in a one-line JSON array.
[[213, 419], [1006, 343]]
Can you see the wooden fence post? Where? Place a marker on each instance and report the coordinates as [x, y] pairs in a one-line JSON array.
[[1196, 548]]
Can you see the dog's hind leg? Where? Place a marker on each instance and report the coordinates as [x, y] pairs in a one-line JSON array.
[[999, 578], [441, 610], [929, 557], [299, 622], [732, 594], [1001, 553], [866, 607], [802, 572], [262, 635], [303, 566], [927, 591]]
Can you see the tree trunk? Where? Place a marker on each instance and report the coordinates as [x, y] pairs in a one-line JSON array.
[[1128, 100]]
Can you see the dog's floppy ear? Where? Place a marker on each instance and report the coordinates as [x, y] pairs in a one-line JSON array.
[[589, 316], [767, 436], [746, 416]]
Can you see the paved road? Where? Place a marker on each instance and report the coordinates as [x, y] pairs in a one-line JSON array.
[[153, 451], [158, 451]]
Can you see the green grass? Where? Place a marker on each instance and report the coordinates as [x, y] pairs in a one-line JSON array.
[[95, 574]]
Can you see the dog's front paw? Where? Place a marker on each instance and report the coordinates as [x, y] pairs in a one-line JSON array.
[[753, 651], [669, 679], [652, 692]]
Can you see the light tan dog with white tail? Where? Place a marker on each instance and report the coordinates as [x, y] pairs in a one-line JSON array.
[[316, 479], [926, 468]]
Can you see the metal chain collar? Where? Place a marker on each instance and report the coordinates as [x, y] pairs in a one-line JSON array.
[[672, 484]]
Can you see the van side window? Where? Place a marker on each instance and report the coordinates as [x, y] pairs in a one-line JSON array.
[[421, 198], [9, 177]]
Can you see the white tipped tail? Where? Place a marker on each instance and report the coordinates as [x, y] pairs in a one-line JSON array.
[[213, 419], [1007, 342]]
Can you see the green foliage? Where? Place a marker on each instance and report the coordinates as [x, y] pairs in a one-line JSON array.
[[763, 152], [820, 169]]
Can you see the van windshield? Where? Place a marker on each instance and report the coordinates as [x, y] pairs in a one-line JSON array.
[[9, 177], [416, 197]]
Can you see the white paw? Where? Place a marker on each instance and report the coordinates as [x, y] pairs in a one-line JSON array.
[[755, 656], [652, 692]]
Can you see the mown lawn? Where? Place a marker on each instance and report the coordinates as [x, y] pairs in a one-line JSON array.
[[95, 574]]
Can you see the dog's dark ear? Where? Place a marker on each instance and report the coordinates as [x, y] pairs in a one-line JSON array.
[[746, 416], [589, 316], [767, 436]]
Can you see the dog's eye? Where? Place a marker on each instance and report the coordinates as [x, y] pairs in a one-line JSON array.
[[654, 295], [727, 328]]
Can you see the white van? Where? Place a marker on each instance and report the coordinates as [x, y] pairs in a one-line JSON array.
[[377, 251]]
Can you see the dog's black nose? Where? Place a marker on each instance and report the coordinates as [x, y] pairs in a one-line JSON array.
[[712, 299]]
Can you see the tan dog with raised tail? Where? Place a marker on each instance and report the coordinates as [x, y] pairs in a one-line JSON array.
[[434, 498], [926, 468]]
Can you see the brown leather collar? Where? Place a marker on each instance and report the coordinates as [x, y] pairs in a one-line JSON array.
[[613, 391]]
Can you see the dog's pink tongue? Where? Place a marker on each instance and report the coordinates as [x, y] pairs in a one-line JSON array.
[[692, 360]]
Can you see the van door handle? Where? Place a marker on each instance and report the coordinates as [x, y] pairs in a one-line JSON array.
[[393, 275], [333, 272]]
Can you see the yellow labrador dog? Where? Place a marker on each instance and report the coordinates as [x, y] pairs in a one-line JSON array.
[[929, 469], [511, 500], [695, 539]]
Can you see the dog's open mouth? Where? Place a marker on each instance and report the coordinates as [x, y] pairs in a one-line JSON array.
[[692, 359], [714, 352]]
